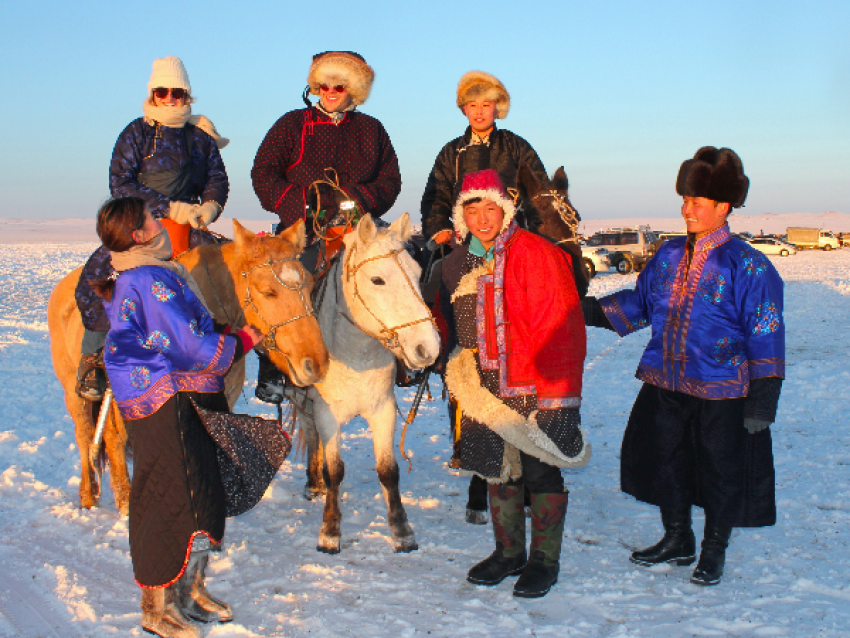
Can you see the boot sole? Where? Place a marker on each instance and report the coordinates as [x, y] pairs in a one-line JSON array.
[[534, 594], [682, 561], [491, 583], [705, 583]]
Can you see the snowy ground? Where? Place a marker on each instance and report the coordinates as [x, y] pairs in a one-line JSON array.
[[66, 572]]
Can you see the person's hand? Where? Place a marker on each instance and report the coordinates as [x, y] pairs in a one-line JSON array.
[[182, 212], [205, 214], [755, 425], [253, 333], [443, 237]]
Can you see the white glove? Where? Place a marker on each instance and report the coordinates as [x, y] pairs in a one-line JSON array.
[[205, 214], [182, 212]]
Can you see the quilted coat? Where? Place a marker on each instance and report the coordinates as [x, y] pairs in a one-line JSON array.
[[303, 143], [504, 154]]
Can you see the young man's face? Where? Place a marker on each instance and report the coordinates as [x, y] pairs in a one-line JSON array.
[[481, 115], [703, 215], [484, 220], [333, 99]]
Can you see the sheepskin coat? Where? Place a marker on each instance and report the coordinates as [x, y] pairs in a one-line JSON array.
[[505, 152], [518, 346]]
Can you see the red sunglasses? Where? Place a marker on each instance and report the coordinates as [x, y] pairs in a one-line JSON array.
[[339, 88], [177, 94]]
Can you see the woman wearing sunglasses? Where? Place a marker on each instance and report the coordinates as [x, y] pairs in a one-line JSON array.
[[170, 159], [327, 164], [303, 144]]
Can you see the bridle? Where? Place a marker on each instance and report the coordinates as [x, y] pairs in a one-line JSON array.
[[387, 336], [269, 342], [565, 210]]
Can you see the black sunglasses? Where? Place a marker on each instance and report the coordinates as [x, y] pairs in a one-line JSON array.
[[177, 94]]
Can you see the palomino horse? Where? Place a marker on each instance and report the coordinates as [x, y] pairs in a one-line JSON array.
[[252, 280], [371, 313]]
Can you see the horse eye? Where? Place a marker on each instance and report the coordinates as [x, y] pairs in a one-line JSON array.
[[378, 281], [271, 294]]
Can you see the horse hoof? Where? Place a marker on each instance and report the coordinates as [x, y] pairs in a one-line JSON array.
[[312, 493], [328, 544], [477, 517], [406, 545]]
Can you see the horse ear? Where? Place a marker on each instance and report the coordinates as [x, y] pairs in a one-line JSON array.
[[526, 181], [559, 180], [296, 235], [242, 237], [401, 227], [366, 230]]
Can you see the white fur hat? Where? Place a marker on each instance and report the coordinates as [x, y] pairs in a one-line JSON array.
[[342, 67], [485, 184], [477, 85], [169, 73]]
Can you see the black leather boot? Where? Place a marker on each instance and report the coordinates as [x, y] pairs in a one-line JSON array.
[[712, 559], [509, 529], [271, 382], [678, 545]]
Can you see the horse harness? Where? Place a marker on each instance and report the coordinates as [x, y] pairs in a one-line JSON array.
[[566, 212], [269, 342], [388, 336]]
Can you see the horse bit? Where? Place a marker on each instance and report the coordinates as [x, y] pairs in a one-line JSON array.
[[269, 342], [388, 336]]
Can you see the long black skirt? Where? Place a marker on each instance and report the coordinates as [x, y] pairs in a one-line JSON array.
[[176, 491], [679, 450]]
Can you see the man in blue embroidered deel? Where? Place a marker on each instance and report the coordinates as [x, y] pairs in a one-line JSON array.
[[699, 430]]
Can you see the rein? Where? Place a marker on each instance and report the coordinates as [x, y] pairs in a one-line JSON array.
[[387, 336], [269, 342]]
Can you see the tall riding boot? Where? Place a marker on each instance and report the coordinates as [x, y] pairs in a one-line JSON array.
[[91, 376], [548, 512], [476, 505], [196, 602], [508, 518], [678, 544], [161, 613], [271, 382], [712, 559]]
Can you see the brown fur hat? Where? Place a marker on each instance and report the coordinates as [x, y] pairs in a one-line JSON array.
[[716, 174], [342, 67], [477, 85]]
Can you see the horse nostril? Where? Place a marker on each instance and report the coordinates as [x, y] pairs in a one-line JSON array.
[[421, 352], [308, 366]]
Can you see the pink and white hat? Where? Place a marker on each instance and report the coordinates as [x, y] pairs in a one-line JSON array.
[[485, 184]]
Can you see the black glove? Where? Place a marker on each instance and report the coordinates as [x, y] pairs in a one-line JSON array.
[[761, 403], [594, 315]]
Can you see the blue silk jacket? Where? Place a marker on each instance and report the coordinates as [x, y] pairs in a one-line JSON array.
[[161, 341], [716, 322]]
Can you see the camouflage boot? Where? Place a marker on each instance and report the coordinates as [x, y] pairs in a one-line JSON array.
[[508, 515], [548, 512]]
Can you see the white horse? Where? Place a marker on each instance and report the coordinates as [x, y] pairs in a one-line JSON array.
[[371, 313]]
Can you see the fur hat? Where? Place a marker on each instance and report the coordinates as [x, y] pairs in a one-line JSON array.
[[169, 73], [477, 85], [714, 174], [485, 184], [342, 67]]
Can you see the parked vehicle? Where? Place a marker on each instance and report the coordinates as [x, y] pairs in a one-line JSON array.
[[594, 258], [628, 248], [664, 236], [812, 238], [844, 239], [773, 246]]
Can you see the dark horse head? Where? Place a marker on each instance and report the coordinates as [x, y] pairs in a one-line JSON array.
[[546, 210]]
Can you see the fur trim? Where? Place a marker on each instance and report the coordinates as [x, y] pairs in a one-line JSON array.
[[342, 67], [469, 283], [477, 85], [475, 400], [492, 194], [715, 174]]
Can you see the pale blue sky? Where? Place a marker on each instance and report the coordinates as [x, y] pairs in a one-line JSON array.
[[620, 93]]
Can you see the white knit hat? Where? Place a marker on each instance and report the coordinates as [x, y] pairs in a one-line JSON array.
[[169, 73]]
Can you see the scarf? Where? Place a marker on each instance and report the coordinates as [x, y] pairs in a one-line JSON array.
[[156, 252], [477, 249], [335, 116], [179, 116]]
